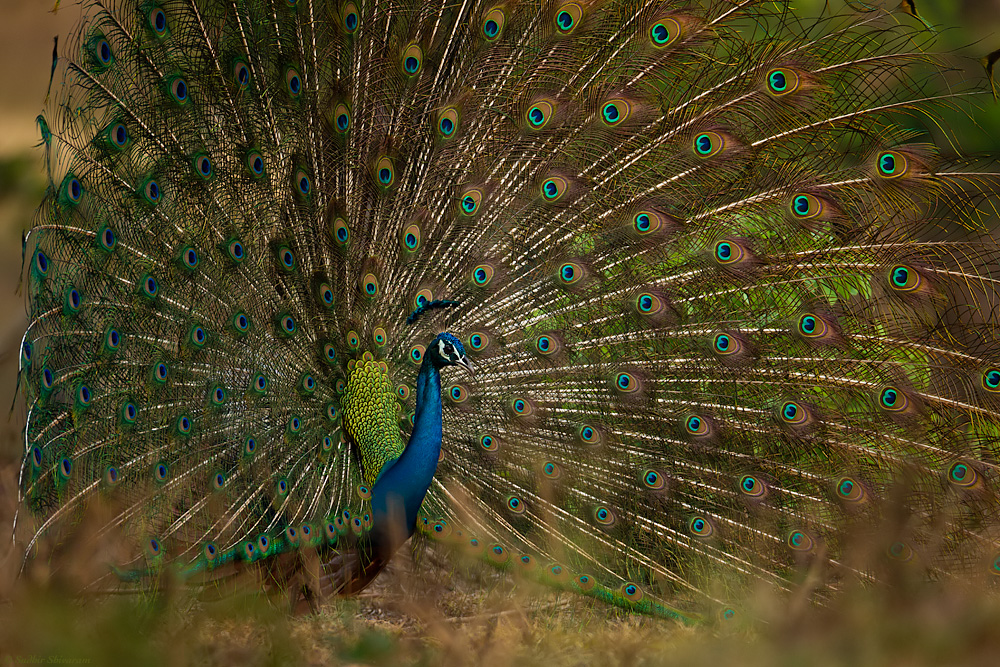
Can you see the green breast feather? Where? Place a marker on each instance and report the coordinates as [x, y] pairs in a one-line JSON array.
[[371, 416]]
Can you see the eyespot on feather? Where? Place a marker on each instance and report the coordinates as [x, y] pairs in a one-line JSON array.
[[664, 32], [782, 81]]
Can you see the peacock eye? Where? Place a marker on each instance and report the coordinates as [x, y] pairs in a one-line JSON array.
[[449, 349]]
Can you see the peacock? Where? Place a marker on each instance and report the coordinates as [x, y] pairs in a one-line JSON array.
[[654, 301]]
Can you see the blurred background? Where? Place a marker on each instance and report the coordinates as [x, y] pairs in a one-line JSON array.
[[451, 624]]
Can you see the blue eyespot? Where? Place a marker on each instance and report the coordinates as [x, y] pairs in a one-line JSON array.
[[412, 60], [119, 135], [660, 34], [103, 51], [851, 491], [567, 272], [806, 206], [255, 162], [889, 397], [340, 231], [236, 251], [150, 288], [73, 301], [701, 527], [158, 21], [417, 353], [241, 74], [991, 379], [482, 275], [293, 83], [198, 336], [154, 547], [776, 80], [151, 192], [41, 263], [632, 592], [108, 239], [904, 279], [708, 144], [303, 182], [564, 20], [204, 166], [550, 189], [178, 90]]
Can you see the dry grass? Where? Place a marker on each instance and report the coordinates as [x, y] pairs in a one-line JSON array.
[[428, 615]]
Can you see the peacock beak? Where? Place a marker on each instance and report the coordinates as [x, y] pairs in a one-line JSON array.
[[467, 365]]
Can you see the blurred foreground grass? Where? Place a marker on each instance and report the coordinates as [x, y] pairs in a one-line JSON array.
[[427, 615]]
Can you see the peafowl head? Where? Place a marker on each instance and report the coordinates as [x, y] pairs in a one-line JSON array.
[[447, 350]]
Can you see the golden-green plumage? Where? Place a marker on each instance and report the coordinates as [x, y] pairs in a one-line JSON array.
[[371, 415]]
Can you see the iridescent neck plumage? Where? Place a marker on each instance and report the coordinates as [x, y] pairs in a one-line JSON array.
[[399, 492]]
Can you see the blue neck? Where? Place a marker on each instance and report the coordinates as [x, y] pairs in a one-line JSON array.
[[399, 492]]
